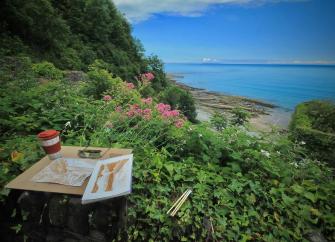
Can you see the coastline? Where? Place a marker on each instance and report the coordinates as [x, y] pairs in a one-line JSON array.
[[264, 116]]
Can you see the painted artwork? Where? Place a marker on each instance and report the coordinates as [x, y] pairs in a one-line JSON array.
[[110, 178]]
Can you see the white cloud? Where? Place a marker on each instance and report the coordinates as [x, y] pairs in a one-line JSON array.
[[209, 60], [139, 10]]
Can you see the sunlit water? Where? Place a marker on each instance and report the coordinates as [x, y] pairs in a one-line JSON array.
[[282, 85]]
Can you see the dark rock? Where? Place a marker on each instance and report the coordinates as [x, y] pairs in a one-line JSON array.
[[58, 210], [78, 216], [71, 240], [97, 236], [55, 235], [100, 218], [316, 236], [75, 76], [34, 204], [34, 231]]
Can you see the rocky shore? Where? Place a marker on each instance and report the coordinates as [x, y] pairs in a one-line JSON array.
[[264, 116]]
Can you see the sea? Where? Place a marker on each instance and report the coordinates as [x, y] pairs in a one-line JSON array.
[[282, 85]]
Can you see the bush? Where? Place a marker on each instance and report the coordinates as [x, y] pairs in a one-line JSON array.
[[180, 99], [100, 80], [47, 70], [240, 116], [313, 124], [219, 121]]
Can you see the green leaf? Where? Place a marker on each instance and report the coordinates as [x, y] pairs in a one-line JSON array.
[[310, 196]]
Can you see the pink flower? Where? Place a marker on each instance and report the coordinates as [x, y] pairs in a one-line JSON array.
[[174, 113], [161, 107], [130, 113], [147, 100], [179, 123], [107, 98], [130, 85], [147, 113], [147, 76], [118, 109]]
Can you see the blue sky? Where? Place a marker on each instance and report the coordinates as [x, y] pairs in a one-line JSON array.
[[235, 31]]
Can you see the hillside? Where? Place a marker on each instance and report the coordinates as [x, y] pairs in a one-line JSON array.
[[73, 66]]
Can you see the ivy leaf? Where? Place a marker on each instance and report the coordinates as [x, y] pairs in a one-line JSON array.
[[315, 212], [310, 196], [297, 188], [287, 200], [169, 168], [251, 198]]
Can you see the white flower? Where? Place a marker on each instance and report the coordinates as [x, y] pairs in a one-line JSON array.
[[190, 129], [68, 124], [295, 164], [278, 152], [200, 135], [302, 142], [266, 153]]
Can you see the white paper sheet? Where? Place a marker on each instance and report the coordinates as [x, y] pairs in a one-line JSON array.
[[66, 171]]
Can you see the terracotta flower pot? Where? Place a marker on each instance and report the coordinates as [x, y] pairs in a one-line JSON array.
[[50, 142]]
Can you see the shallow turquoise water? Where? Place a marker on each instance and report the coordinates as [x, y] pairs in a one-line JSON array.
[[283, 85]]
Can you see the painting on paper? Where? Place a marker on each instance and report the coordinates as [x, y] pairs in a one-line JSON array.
[[110, 178]]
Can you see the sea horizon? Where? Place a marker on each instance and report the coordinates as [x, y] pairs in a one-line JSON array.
[[284, 85]]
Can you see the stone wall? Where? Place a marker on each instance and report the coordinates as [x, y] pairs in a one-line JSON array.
[[52, 218]]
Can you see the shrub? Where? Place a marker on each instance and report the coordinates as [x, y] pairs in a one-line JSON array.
[[180, 99], [100, 80], [313, 124], [219, 121], [240, 116], [47, 70]]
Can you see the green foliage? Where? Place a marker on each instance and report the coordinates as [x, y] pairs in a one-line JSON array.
[[219, 121], [100, 81], [180, 99], [243, 187], [156, 66], [313, 125], [269, 195], [240, 116], [71, 34], [47, 70], [16, 155]]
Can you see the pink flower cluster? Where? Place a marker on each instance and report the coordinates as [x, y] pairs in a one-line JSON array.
[[147, 101], [107, 98], [161, 107], [147, 76], [118, 109], [130, 85], [165, 110], [179, 123], [135, 110]]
